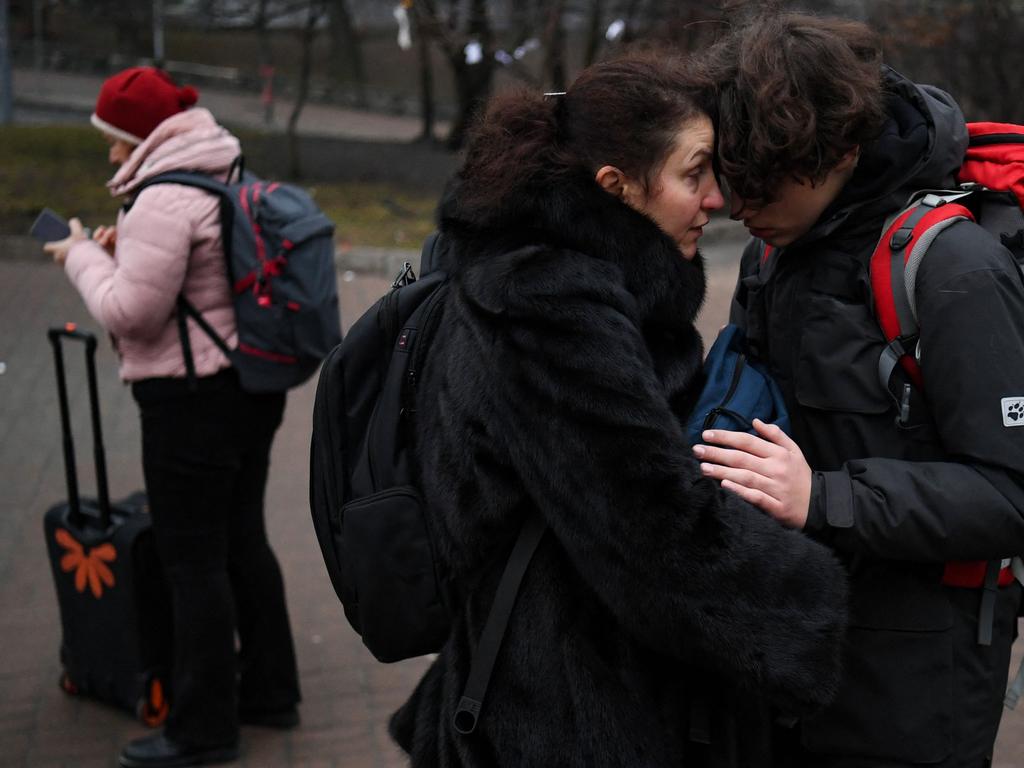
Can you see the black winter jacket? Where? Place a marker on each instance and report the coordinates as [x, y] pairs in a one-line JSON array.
[[898, 502], [564, 362]]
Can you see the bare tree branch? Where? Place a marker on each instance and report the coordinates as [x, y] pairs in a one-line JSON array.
[[315, 12]]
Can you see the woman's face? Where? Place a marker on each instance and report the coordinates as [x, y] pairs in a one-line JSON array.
[[120, 150], [685, 191]]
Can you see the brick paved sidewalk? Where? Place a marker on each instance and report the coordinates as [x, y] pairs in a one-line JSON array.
[[348, 695]]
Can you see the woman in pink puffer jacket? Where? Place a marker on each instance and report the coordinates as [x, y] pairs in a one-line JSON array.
[[205, 444]]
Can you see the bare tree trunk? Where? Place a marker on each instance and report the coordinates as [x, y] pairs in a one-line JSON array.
[[421, 31], [130, 20], [632, 11], [554, 47], [518, 20], [998, 34], [472, 81], [316, 9], [347, 49], [6, 95], [594, 34], [266, 61]]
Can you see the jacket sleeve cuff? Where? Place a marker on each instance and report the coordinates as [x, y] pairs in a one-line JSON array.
[[831, 505], [82, 254]]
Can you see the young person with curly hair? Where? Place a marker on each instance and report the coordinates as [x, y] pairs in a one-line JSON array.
[[820, 144], [658, 611]]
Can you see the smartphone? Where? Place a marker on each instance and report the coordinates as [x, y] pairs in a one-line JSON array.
[[49, 226]]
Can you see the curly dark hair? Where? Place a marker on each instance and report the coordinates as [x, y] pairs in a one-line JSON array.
[[625, 112], [796, 93]]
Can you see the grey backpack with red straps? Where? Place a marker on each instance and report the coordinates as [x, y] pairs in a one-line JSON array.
[[279, 249]]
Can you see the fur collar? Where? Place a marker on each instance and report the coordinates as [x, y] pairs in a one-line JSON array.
[[572, 212]]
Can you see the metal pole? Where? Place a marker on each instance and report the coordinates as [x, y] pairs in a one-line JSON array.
[[37, 33], [158, 33], [6, 94]]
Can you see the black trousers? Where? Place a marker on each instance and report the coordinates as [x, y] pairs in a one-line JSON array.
[[205, 455]]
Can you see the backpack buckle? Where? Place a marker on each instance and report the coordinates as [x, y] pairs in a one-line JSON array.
[[466, 715], [934, 201], [900, 238], [405, 276]]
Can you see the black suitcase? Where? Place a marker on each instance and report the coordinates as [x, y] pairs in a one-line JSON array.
[[115, 607]]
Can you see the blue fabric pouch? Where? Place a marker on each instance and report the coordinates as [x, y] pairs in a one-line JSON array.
[[737, 390]]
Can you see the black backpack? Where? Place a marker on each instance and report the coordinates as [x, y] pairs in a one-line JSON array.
[[279, 249], [368, 514]]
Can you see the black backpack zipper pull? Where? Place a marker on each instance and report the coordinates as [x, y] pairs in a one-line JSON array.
[[405, 277]]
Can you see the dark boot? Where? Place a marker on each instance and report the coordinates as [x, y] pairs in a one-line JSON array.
[[160, 752]]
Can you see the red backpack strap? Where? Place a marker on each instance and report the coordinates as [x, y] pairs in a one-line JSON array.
[[893, 268], [894, 265]]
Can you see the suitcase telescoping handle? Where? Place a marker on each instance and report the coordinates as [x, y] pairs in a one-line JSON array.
[[69, 331]]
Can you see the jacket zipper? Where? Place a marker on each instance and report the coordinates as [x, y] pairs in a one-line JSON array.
[[334, 500], [391, 333], [417, 355]]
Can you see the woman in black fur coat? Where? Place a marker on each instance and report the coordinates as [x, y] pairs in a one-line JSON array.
[[659, 612]]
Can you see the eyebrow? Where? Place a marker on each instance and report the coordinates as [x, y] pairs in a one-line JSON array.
[[702, 154]]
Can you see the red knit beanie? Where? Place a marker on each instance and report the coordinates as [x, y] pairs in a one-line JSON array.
[[134, 102]]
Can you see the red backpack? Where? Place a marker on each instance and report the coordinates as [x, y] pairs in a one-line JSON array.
[[990, 192], [991, 182]]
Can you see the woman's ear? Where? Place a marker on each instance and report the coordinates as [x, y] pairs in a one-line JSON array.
[[612, 180], [849, 161]]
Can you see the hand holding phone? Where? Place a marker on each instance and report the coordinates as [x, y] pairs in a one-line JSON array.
[[49, 226]]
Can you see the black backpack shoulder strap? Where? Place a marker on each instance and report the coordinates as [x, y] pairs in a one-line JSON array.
[[431, 254], [200, 181], [482, 664], [185, 178], [424, 321], [187, 308]]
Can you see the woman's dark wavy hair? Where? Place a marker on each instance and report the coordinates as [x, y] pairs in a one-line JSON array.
[[796, 93], [626, 112]]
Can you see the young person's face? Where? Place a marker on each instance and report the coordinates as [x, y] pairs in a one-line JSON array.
[[796, 208], [685, 191]]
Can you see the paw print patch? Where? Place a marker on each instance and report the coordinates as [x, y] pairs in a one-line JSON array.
[[1013, 411]]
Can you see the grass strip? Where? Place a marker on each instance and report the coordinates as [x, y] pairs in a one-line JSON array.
[[64, 167]]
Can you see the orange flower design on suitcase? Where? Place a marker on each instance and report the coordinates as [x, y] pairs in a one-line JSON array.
[[89, 568]]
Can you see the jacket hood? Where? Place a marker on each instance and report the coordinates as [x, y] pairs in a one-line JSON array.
[[571, 211], [921, 146], [188, 141]]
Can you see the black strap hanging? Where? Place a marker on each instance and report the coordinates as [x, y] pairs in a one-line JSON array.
[[467, 714], [186, 308]]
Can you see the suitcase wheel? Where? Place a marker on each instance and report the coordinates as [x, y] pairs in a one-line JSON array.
[[67, 685], [153, 708]]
